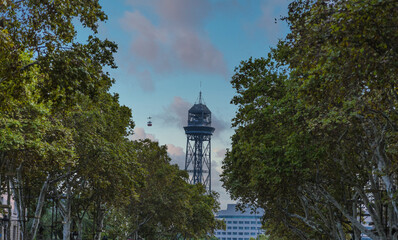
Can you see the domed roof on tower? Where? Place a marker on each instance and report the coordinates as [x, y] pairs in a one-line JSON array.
[[199, 108], [199, 114]]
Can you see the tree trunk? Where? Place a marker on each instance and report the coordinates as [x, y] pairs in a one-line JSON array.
[[16, 186], [79, 224], [67, 214], [99, 221], [39, 207]]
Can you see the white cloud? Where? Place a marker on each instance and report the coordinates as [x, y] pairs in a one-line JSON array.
[[139, 133], [177, 155]]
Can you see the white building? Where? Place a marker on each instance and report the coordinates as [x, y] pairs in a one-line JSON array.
[[240, 225]]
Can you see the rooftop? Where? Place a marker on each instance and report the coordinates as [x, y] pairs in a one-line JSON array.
[[231, 211]]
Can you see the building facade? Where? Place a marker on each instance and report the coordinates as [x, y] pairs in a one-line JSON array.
[[240, 225]]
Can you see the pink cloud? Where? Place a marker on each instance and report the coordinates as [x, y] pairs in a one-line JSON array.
[[176, 112], [197, 53], [139, 133], [183, 13], [175, 150], [177, 155], [177, 40], [192, 12]]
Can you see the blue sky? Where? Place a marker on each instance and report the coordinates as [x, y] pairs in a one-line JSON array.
[[169, 50]]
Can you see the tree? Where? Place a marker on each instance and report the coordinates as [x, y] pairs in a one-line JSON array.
[[107, 173], [260, 237], [166, 206], [64, 137], [316, 124], [44, 75], [34, 144]]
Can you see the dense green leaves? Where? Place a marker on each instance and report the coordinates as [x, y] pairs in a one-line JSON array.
[[315, 139], [64, 137], [167, 207]]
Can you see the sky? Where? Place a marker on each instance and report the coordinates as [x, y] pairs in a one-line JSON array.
[[170, 50]]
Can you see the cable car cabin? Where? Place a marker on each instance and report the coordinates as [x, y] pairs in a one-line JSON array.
[[149, 123]]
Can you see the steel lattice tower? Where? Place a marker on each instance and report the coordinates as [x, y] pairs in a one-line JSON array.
[[198, 151]]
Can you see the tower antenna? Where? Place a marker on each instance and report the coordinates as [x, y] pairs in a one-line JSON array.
[[200, 92]]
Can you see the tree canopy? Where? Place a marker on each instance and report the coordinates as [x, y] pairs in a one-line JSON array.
[[167, 206], [315, 139], [64, 138]]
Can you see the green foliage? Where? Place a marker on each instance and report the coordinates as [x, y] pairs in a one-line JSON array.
[[65, 137], [316, 127], [261, 237], [48, 84], [167, 207]]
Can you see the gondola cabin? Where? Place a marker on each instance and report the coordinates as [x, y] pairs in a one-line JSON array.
[[149, 123]]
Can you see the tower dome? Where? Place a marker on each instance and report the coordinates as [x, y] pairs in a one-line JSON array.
[[199, 119]]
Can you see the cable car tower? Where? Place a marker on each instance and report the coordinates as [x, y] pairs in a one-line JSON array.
[[198, 151]]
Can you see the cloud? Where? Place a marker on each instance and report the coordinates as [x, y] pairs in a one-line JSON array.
[[173, 38], [177, 155], [219, 124], [144, 78], [176, 113], [195, 53], [221, 153], [139, 133], [183, 13]]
